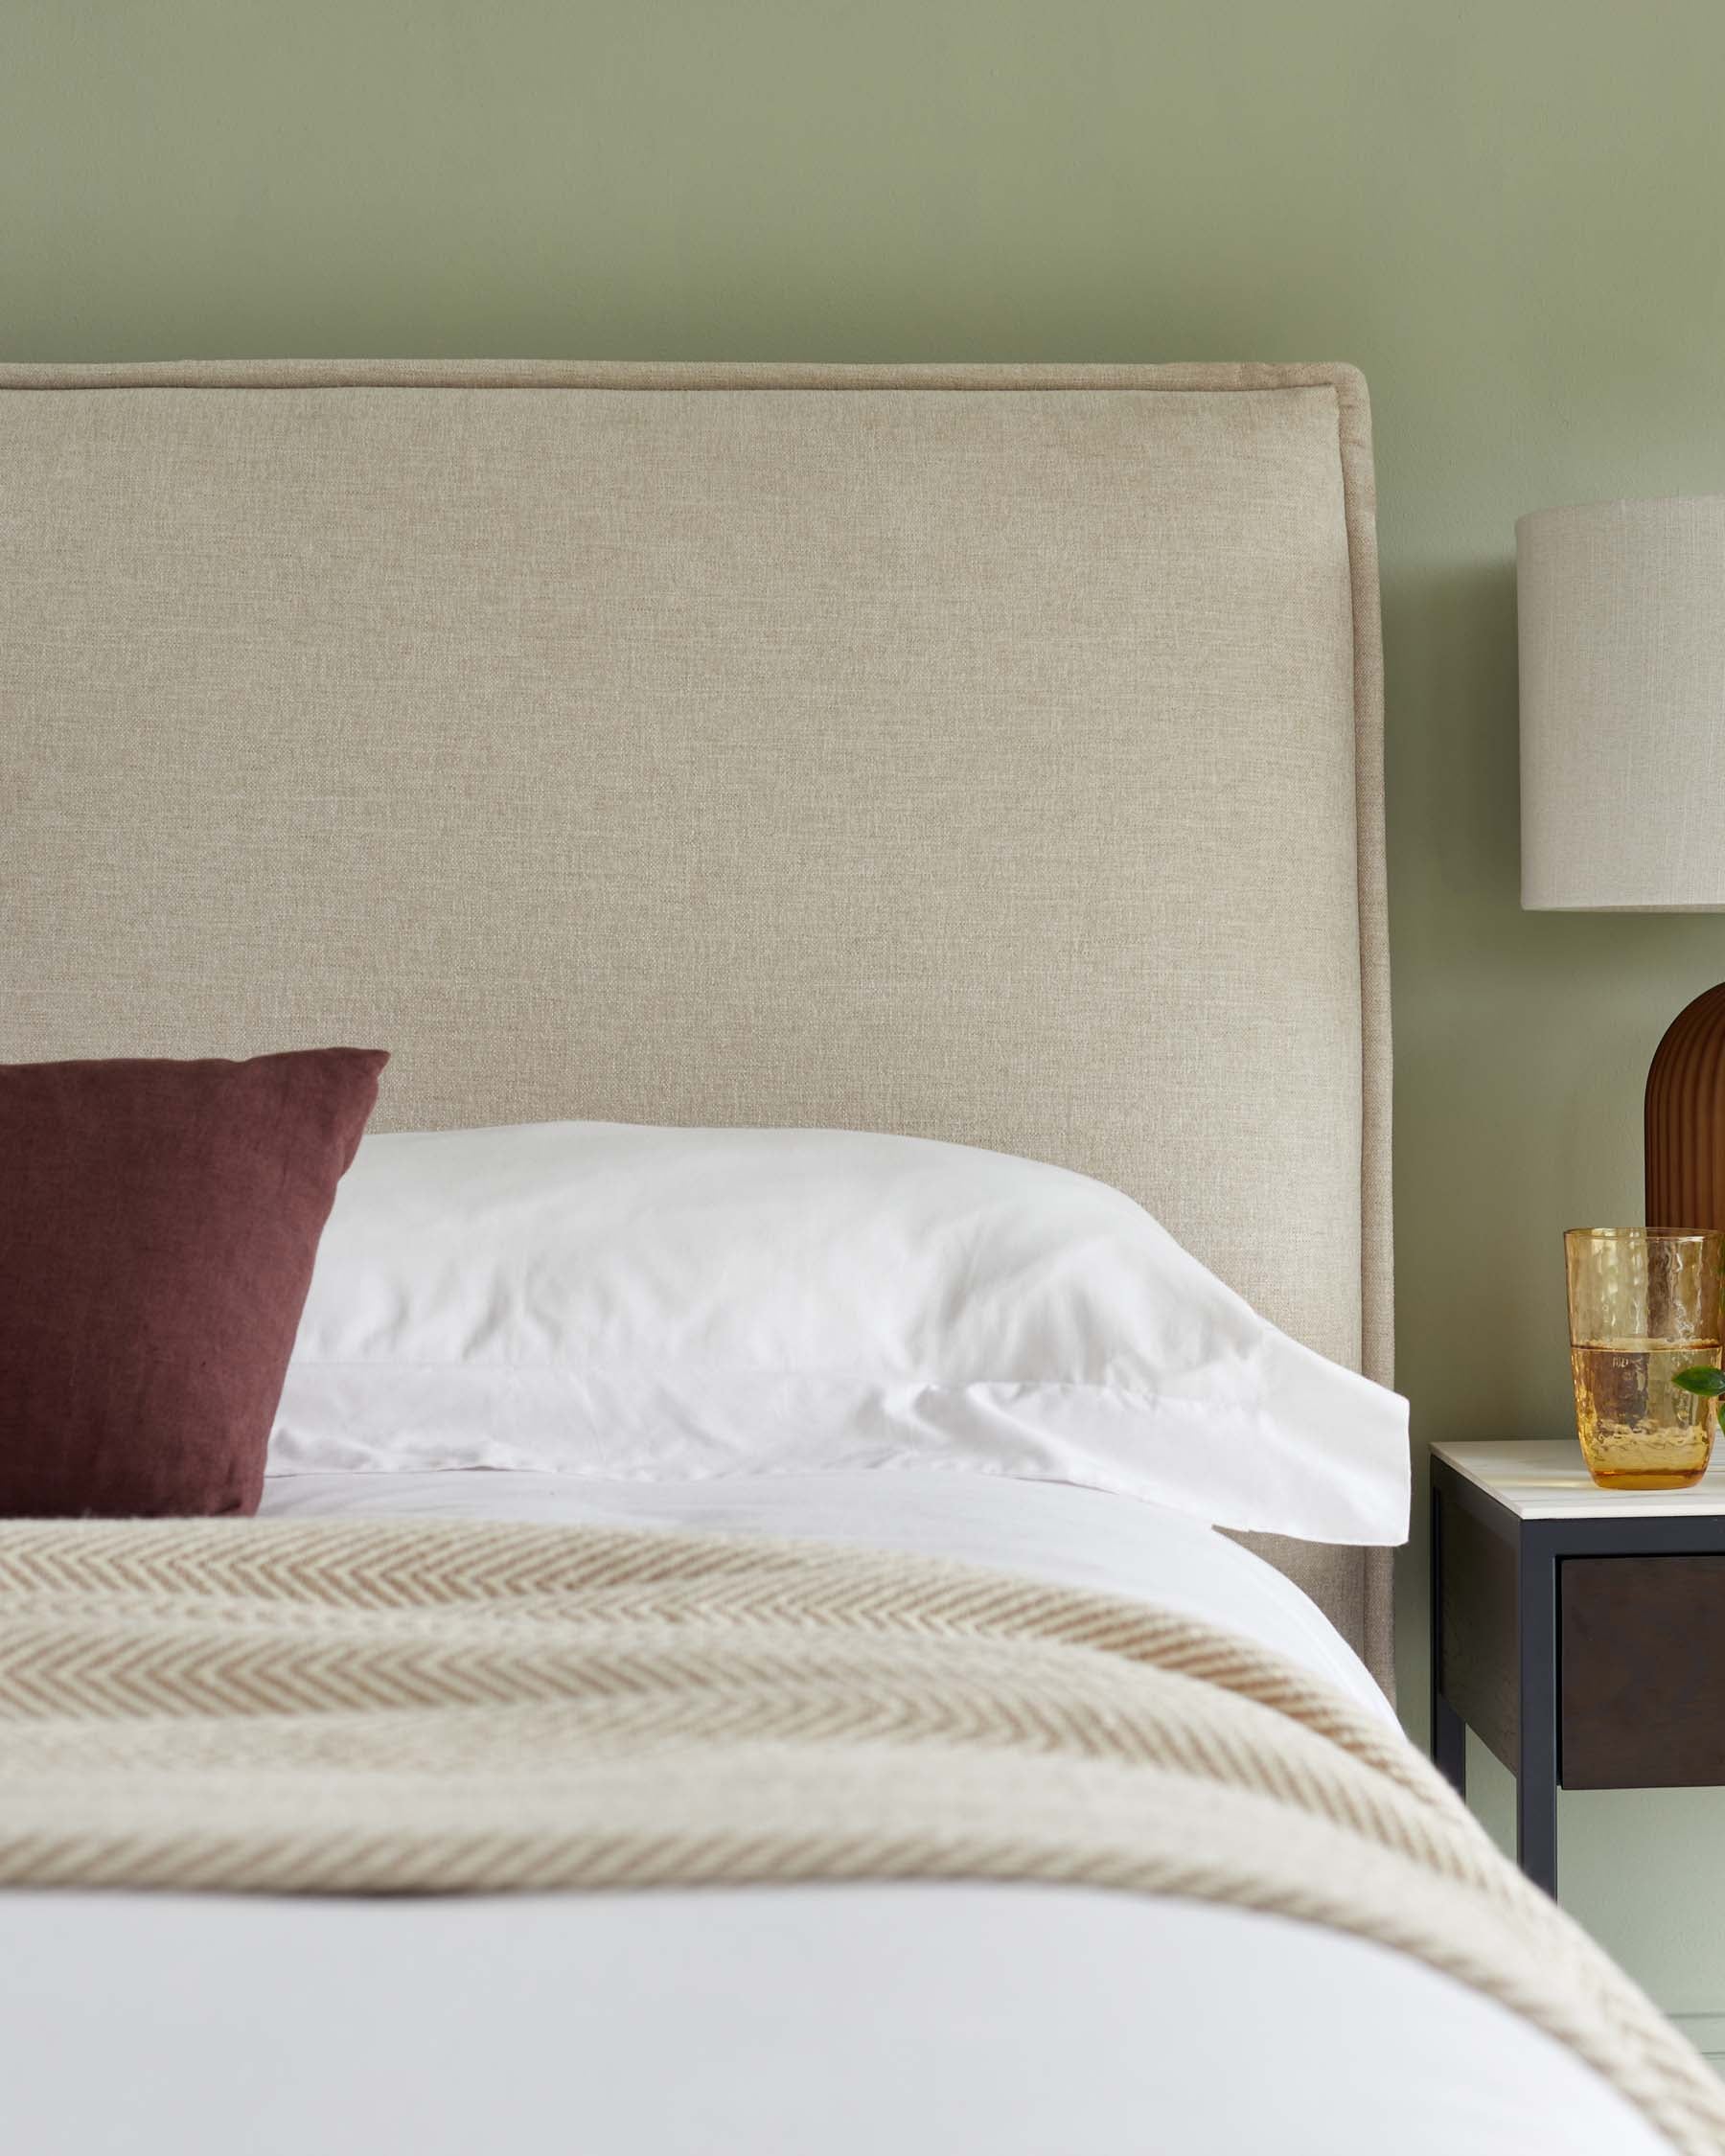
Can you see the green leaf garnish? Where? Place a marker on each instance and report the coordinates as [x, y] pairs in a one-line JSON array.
[[1703, 1380]]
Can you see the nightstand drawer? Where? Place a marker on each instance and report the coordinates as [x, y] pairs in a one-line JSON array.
[[1642, 1692]]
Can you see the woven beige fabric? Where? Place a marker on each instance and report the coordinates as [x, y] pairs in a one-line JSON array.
[[425, 1707], [985, 753]]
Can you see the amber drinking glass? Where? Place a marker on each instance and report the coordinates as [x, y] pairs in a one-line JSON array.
[[1643, 1303]]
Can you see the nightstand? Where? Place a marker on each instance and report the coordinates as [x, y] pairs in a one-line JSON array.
[[1580, 1632]]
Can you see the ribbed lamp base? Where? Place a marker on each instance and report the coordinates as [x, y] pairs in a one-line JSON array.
[[1686, 1118]]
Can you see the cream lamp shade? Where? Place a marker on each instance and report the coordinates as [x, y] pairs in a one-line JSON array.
[[1623, 749], [1622, 608]]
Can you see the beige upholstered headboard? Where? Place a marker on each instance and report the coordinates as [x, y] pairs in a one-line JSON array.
[[991, 753]]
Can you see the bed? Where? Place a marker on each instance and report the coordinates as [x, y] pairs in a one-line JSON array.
[[988, 755]]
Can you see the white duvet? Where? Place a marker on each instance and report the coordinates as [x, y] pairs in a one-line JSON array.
[[969, 2019]]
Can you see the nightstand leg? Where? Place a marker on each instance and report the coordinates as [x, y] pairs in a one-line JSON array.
[[1449, 1744], [1449, 1733], [1536, 1775]]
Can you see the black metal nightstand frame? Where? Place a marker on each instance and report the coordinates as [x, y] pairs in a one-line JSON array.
[[1497, 1630]]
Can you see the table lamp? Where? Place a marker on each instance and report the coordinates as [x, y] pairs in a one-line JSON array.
[[1622, 607]]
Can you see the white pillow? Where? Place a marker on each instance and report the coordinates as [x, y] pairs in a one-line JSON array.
[[612, 1300]]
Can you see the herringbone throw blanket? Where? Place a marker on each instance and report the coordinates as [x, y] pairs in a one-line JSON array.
[[428, 1707]]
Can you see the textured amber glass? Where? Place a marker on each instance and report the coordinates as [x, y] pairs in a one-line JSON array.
[[1643, 1304]]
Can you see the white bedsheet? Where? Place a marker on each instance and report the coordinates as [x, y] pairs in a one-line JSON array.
[[1078, 1537], [971, 2019]]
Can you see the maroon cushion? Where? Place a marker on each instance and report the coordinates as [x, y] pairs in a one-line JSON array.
[[157, 1226]]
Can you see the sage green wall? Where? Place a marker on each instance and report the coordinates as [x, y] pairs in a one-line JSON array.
[[1507, 212]]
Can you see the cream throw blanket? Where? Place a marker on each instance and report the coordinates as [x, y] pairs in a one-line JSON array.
[[423, 1707]]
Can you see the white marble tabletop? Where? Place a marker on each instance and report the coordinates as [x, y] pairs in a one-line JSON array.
[[1548, 1479]]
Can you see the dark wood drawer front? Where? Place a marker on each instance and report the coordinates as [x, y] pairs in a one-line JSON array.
[[1642, 1687]]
